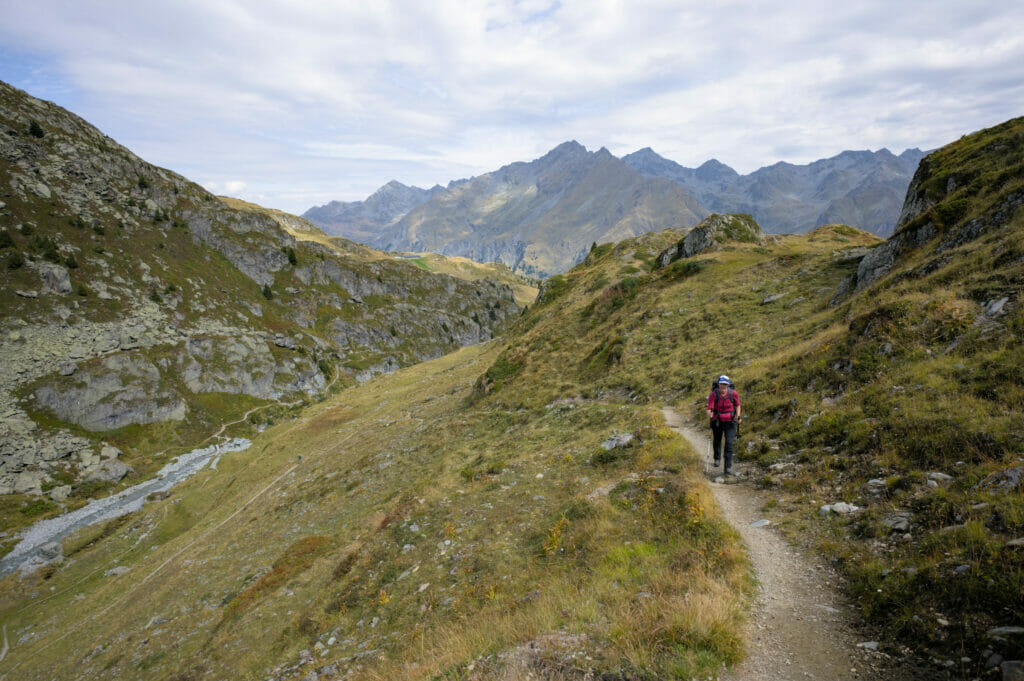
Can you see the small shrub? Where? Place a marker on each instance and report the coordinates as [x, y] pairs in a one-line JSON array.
[[292, 258], [553, 288], [682, 269], [5, 239], [35, 129], [98, 228], [267, 293], [83, 290], [37, 506], [15, 261], [71, 263], [143, 183]]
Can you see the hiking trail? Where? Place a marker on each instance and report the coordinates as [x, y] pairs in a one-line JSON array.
[[800, 628]]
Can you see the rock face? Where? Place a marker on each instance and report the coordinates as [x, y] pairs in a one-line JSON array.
[[138, 292], [859, 188], [541, 217], [943, 208], [123, 390]]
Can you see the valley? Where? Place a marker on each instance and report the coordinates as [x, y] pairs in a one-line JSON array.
[[446, 482]]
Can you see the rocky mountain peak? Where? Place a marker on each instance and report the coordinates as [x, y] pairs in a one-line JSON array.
[[715, 171], [565, 150]]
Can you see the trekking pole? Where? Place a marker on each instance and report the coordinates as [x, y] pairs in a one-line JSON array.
[[707, 459]]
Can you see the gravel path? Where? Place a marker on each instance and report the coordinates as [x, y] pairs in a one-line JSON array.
[[801, 627]]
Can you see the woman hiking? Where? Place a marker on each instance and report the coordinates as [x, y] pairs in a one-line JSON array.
[[724, 412]]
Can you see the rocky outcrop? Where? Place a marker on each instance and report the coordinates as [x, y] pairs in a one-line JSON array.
[[946, 205], [120, 391], [712, 231], [246, 365]]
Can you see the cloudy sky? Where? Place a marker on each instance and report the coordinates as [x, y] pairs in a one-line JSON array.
[[298, 102]]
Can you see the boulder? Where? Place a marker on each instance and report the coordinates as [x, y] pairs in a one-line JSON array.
[[897, 522], [52, 552], [29, 482], [110, 452], [110, 470], [55, 278], [1005, 480], [67, 368], [60, 493], [839, 508], [617, 441], [1013, 670]]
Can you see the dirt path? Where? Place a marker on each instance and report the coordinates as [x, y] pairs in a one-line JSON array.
[[800, 628]]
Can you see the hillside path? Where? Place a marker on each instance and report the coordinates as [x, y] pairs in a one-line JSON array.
[[800, 627]]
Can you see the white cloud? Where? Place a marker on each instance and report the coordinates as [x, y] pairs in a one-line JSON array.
[[311, 101]]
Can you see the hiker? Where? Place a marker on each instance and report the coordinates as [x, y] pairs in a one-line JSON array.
[[724, 412]]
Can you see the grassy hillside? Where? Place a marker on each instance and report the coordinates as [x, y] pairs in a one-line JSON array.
[[418, 537], [881, 374]]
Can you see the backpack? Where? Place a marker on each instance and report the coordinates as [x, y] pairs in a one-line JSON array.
[[731, 394]]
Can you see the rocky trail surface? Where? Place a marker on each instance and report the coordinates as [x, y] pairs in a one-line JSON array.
[[801, 628]]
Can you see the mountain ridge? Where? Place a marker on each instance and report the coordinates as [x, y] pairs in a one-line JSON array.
[[540, 217], [476, 217], [857, 187]]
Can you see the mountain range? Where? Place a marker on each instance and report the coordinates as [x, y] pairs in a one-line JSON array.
[[541, 217], [538, 218]]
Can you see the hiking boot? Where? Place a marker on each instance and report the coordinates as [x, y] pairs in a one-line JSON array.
[[718, 462]]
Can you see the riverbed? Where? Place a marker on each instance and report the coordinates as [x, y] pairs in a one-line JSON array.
[[26, 553]]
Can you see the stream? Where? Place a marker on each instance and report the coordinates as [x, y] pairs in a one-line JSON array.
[[26, 553]]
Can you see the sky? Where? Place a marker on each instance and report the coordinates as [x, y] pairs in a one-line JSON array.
[[295, 103]]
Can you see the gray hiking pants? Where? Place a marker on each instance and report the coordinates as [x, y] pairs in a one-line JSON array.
[[727, 428]]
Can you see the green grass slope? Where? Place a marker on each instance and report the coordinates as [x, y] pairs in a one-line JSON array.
[[418, 537], [886, 375]]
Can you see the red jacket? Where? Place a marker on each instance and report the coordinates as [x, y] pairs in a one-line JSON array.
[[724, 407]]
